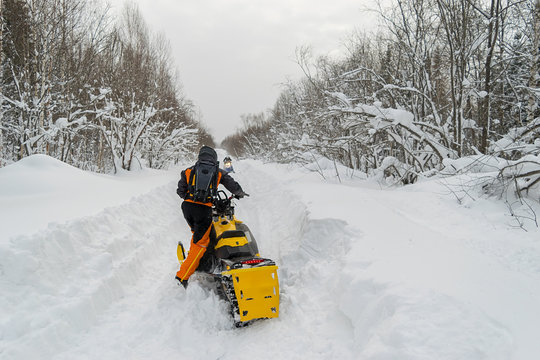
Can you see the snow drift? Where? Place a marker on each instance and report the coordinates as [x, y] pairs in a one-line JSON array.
[[365, 273]]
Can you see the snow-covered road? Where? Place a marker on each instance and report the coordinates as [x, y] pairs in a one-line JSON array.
[[364, 273]]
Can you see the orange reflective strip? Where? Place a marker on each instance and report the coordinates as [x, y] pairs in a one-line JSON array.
[[200, 203], [218, 178], [188, 176], [191, 266]]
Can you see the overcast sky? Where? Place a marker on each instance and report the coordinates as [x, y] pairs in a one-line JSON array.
[[232, 55]]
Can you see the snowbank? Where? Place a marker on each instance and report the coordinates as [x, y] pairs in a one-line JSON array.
[[473, 164], [407, 273], [39, 190]]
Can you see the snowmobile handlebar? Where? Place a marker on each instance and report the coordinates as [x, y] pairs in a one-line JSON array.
[[239, 196], [222, 205], [221, 195]]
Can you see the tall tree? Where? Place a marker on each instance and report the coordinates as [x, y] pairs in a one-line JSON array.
[[493, 18], [457, 23], [535, 59], [1, 82]]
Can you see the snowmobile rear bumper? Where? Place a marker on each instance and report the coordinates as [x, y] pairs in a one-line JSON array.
[[257, 292]]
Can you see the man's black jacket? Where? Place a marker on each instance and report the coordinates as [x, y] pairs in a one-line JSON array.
[[227, 181]]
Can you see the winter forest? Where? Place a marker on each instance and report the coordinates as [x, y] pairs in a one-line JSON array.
[[442, 80], [394, 181], [95, 91], [446, 79]]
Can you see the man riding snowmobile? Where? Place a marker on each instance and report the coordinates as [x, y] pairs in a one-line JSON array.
[[198, 186], [227, 163]]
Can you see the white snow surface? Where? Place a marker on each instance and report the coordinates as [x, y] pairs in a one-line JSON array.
[[87, 265]]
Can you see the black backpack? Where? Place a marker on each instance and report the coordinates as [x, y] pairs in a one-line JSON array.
[[202, 183]]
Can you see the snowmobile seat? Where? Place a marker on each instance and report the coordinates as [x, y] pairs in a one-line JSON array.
[[233, 243], [231, 234]]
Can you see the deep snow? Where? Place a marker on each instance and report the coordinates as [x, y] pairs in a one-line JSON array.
[[87, 266]]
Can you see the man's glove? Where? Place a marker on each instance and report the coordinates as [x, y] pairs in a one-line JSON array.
[[240, 195], [184, 283]]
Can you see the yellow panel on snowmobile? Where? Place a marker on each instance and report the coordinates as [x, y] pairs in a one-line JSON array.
[[257, 292], [232, 241], [224, 225]]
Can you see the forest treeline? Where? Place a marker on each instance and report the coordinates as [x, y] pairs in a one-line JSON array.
[[442, 79], [96, 90]]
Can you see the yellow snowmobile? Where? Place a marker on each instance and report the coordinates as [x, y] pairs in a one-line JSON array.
[[246, 280]]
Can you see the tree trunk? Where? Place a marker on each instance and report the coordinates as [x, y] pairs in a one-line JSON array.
[[1, 85], [534, 64], [493, 30]]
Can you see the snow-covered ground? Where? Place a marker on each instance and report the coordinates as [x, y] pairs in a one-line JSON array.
[[87, 266]]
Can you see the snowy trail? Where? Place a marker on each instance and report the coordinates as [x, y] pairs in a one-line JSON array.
[[183, 324], [112, 289], [364, 274]]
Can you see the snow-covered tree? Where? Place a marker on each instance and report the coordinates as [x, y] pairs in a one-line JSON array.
[[446, 79], [80, 87]]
